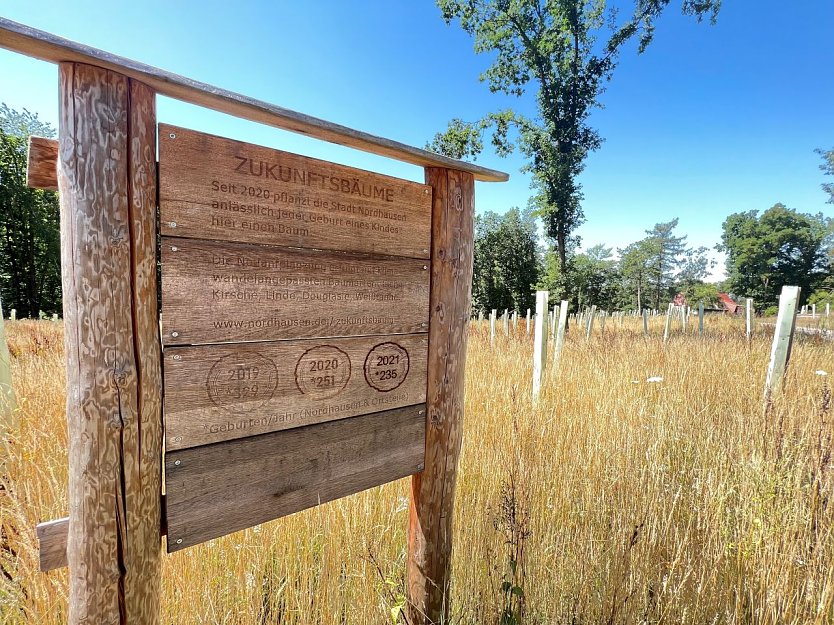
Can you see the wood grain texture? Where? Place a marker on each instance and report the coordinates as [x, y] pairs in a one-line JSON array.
[[214, 490], [215, 292], [780, 352], [49, 47], [215, 393], [433, 490], [52, 544], [106, 179], [42, 164], [216, 188]]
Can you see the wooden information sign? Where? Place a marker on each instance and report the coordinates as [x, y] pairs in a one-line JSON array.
[[295, 314]]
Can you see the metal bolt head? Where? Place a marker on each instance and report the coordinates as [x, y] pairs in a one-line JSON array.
[[174, 248], [177, 357], [421, 466], [425, 266], [177, 462], [173, 224], [175, 334], [178, 439], [179, 541], [173, 135]]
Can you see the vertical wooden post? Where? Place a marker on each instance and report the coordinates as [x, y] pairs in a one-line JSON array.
[[553, 316], [590, 325], [7, 399], [492, 317], [780, 352], [748, 318], [684, 317], [560, 333], [701, 318], [433, 490], [668, 322], [107, 183], [13, 315], [528, 321], [645, 322], [539, 342], [813, 311], [506, 319]]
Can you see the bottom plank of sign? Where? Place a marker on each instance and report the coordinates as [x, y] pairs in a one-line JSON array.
[[218, 489]]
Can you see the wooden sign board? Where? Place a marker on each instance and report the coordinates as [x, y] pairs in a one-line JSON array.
[[214, 292], [295, 318], [215, 188], [215, 393]]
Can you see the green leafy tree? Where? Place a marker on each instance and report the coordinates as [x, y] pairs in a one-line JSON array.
[[779, 247], [828, 169], [635, 270], [564, 52], [30, 260], [666, 252], [506, 260], [595, 278]]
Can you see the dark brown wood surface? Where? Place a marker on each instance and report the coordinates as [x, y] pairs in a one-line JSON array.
[[222, 392], [433, 491], [216, 188], [107, 182], [217, 489], [52, 544], [42, 164], [49, 47], [216, 292]]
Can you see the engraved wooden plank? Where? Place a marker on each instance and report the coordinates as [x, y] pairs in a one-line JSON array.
[[216, 188], [222, 392], [42, 164], [217, 489], [52, 544], [215, 292]]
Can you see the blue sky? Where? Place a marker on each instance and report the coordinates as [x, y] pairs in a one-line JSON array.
[[710, 120]]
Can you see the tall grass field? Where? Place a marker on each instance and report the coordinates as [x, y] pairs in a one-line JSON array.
[[646, 485]]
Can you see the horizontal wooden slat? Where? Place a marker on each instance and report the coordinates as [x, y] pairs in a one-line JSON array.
[[219, 292], [49, 47], [218, 489], [42, 164], [215, 393], [216, 188]]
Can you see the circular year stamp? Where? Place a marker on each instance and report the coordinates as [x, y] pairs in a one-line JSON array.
[[386, 366], [322, 371], [242, 382]]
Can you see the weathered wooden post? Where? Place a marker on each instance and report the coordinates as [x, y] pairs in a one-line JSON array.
[[506, 319], [13, 315], [668, 322], [480, 316], [684, 317], [780, 352], [560, 333], [748, 318], [813, 311], [602, 317], [828, 309], [539, 342], [492, 317], [7, 399], [701, 318], [528, 321], [645, 322], [107, 183], [433, 490], [553, 316]]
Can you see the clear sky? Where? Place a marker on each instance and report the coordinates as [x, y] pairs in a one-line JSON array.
[[710, 120]]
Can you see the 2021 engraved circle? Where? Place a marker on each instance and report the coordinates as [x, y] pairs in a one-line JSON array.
[[322, 371], [386, 366], [242, 382]]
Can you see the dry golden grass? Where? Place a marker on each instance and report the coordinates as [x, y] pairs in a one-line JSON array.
[[619, 500]]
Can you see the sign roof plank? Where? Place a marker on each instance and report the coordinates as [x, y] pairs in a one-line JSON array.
[[48, 47]]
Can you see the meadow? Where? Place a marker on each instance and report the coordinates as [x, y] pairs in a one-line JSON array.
[[646, 485]]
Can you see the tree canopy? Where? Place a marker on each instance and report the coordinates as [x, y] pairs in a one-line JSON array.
[[30, 260], [565, 52]]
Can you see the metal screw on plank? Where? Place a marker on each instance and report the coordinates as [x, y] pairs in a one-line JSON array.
[[421, 412], [425, 266], [173, 224], [175, 334], [420, 467], [173, 135], [177, 462], [179, 541], [178, 439], [174, 248], [177, 357]]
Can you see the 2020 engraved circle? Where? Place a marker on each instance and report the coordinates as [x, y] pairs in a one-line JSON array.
[[322, 371], [386, 366], [242, 382]]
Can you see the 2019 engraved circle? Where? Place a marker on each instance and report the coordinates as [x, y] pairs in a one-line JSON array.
[[386, 366], [242, 382], [322, 371]]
